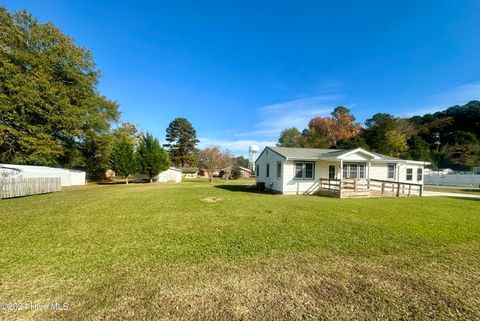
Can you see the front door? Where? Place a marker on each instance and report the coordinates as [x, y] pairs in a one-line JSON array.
[[331, 172]]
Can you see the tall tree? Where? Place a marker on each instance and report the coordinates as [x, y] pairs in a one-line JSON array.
[[340, 126], [182, 141], [241, 161], [122, 158], [387, 134], [290, 137], [152, 158], [50, 104], [213, 159]]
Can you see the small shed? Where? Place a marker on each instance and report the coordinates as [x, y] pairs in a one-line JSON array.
[[69, 177], [171, 175]]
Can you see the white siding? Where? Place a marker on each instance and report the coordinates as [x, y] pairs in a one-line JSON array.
[[380, 171], [272, 182], [302, 186]]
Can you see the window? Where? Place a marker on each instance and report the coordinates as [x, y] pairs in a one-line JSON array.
[[331, 172], [299, 170], [267, 172], [391, 171], [409, 174], [419, 174], [361, 170], [304, 170], [279, 169], [308, 170], [257, 171], [354, 170]]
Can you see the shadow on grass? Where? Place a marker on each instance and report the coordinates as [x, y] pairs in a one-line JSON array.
[[242, 189], [476, 199]]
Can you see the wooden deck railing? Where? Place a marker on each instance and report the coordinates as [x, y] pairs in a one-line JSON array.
[[375, 186], [23, 186]]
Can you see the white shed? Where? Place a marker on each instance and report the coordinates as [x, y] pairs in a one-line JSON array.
[[171, 175], [69, 177]]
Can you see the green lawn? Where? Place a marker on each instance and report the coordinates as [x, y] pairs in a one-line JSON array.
[[158, 252]]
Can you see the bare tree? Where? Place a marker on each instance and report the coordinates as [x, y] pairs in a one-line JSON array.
[[213, 159]]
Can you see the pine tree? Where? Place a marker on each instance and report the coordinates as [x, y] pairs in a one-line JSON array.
[[151, 157], [122, 157], [182, 141]]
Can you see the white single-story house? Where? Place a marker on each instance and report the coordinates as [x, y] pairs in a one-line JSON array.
[[337, 172], [171, 175], [69, 177]]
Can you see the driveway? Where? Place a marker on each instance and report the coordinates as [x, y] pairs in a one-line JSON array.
[[448, 194]]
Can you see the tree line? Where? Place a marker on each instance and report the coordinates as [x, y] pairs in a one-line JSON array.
[[52, 112], [448, 138]]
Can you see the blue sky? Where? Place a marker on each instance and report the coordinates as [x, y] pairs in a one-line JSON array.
[[241, 71]]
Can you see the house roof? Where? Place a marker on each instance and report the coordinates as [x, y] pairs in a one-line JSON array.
[[328, 154]]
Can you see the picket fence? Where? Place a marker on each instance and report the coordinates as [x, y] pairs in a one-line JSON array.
[[24, 186]]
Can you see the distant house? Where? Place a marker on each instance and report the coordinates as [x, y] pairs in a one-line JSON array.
[[171, 175], [438, 171], [69, 177], [337, 172], [244, 172], [189, 172]]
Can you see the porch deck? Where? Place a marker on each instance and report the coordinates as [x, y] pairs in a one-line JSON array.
[[347, 188]]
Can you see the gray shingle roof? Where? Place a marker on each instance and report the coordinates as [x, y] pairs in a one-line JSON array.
[[310, 153], [318, 153]]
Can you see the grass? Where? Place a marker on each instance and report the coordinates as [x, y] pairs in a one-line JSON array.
[[161, 252]]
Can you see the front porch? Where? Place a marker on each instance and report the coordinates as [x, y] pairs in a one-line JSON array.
[[358, 187]]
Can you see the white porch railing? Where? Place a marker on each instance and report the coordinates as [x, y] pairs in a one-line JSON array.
[[374, 187]]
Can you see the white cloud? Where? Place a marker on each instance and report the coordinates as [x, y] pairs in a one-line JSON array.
[[272, 119], [458, 95]]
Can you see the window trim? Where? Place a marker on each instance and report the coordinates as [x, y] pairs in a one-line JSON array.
[[279, 170], [267, 170], [346, 170], [409, 175], [419, 174], [394, 171], [304, 171]]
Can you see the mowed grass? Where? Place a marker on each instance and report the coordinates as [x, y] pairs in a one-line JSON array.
[[158, 252]]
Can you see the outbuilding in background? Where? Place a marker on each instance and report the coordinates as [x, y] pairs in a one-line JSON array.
[[69, 177], [171, 175]]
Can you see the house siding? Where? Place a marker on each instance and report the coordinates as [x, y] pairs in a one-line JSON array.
[[272, 182]]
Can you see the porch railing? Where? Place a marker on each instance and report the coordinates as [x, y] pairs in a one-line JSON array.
[[374, 186]]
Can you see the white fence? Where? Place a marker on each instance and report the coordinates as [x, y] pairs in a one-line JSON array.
[[452, 180], [23, 186]]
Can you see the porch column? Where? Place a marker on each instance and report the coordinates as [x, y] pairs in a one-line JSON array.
[[368, 169], [340, 172]]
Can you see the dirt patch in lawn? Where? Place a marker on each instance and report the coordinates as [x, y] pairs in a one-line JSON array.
[[212, 200]]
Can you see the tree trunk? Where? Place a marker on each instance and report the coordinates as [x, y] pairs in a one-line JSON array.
[[210, 177], [151, 180], [126, 180]]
